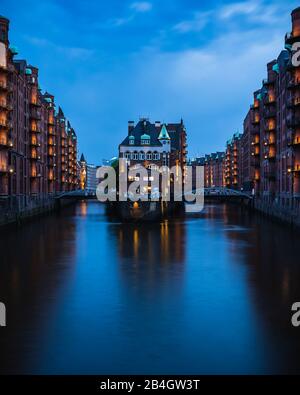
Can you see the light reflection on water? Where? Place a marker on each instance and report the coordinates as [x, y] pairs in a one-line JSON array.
[[205, 293]]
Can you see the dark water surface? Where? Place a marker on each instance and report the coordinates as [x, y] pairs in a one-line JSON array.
[[208, 293]]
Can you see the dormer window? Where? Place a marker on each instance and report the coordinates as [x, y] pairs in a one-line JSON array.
[[131, 140], [145, 139]]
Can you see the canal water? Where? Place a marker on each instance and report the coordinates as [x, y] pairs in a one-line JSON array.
[[207, 293]]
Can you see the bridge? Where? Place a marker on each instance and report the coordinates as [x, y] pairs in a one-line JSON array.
[[226, 193], [78, 193], [218, 193], [222, 194]]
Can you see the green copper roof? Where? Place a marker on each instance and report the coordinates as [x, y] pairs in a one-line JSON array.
[[276, 68], [131, 137], [288, 47], [28, 71], [14, 50], [145, 137], [164, 135], [259, 96]]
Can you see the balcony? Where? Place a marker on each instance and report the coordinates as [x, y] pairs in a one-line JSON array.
[[4, 69], [294, 83], [35, 114], [270, 127], [269, 100], [293, 102], [34, 154], [3, 168], [51, 161], [4, 106], [4, 124], [255, 129], [293, 140], [35, 130], [270, 112], [51, 131], [255, 121], [3, 141], [293, 121], [3, 86], [35, 103], [270, 156], [297, 168], [255, 161], [34, 143]]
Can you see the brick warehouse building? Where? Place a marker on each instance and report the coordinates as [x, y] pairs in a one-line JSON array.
[[154, 145], [265, 159], [274, 123], [38, 154]]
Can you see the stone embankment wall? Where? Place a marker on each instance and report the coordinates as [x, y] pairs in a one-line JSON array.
[[18, 209]]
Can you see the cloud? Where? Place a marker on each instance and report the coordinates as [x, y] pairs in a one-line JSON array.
[[141, 6], [242, 8], [255, 11], [70, 52], [197, 23], [120, 21], [137, 7]]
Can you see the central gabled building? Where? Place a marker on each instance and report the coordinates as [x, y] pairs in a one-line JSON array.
[[153, 145]]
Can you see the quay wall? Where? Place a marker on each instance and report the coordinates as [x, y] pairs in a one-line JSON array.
[[289, 216], [21, 208]]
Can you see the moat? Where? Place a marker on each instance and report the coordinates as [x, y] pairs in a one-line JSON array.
[[203, 293]]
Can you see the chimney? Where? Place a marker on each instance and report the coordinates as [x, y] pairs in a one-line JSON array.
[[296, 22], [157, 124], [130, 126]]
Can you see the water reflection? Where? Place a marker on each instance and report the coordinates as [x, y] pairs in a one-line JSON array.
[[207, 293], [36, 261]]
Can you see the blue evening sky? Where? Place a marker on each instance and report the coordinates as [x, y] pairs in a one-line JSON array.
[[110, 61]]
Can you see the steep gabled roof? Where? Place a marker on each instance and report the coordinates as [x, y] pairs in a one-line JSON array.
[[171, 131], [164, 135]]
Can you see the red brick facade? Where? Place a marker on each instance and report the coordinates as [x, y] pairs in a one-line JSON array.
[[38, 147]]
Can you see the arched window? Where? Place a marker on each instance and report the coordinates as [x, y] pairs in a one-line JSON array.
[[142, 155], [135, 156], [127, 155], [149, 156], [156, 156]]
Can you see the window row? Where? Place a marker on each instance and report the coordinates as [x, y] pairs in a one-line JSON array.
[[142, 155]]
